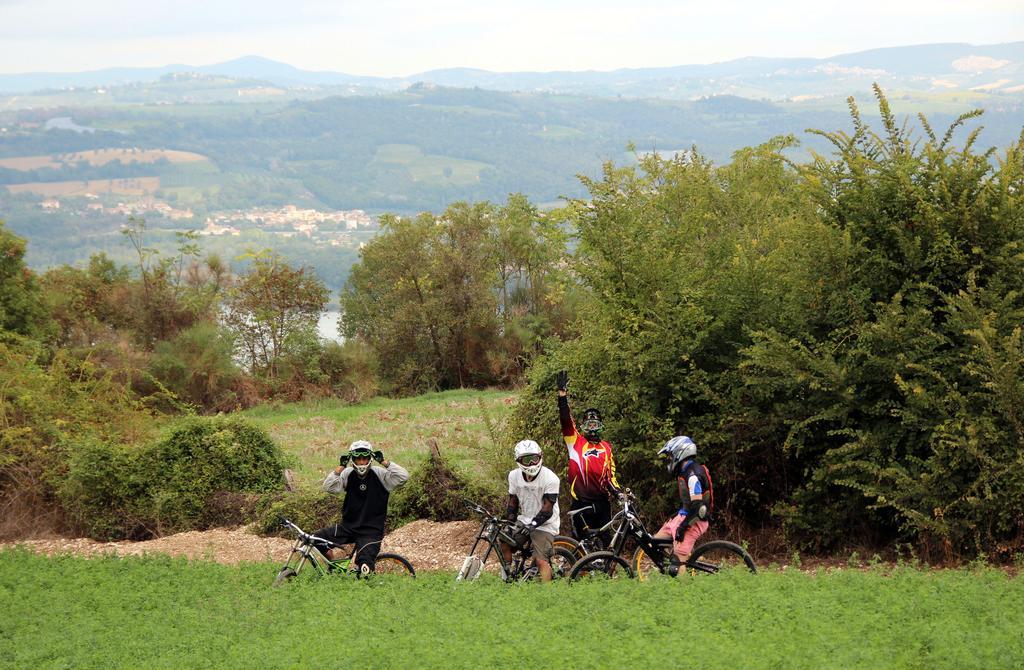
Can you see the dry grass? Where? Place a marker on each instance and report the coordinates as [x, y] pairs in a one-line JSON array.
[[100, 157], [132, 186], [316, 432]]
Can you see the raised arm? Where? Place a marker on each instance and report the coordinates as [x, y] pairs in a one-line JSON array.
[[564, 415], [337, 480], [392, 476]]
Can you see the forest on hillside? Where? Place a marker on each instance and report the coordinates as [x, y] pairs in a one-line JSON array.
[[841, 335]]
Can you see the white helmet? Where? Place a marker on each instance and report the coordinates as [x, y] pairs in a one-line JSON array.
[[678, 449], [529, 448], [361, 449]]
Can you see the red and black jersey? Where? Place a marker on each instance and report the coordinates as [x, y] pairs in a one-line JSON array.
[[591, 464]]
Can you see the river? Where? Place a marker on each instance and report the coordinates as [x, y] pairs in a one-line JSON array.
[[327, 326]]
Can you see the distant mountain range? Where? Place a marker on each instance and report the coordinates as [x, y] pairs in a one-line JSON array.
[[997, 68]]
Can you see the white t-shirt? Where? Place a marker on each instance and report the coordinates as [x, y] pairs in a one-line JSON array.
[[531, 496]]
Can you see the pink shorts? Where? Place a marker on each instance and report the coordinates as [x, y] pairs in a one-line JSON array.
[[693, 531]]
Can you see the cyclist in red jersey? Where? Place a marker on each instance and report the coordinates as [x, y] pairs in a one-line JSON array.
[[591, 464]]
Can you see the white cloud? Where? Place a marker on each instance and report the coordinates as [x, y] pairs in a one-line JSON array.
[[396, 37]]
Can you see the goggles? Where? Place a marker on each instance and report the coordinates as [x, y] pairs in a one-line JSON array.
[[361, 454], [529, 459]]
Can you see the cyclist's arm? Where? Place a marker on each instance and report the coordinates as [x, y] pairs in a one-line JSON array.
[[547, 509], [392, 476], [695, 497], [337, 482], [565, 418], [512, 507], [612, 484]]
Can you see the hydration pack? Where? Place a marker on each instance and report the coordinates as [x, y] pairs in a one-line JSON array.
[[706, 486]]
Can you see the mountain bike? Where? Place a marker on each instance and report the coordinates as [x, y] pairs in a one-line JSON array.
[[589, 541], [522, 567], [653, 554], [305, 552]]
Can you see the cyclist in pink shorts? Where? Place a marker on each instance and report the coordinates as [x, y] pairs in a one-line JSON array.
[[695, 492]]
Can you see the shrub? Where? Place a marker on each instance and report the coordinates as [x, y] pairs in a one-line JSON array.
[[437, 491], [197, 367], [177, 483], [309, 508]]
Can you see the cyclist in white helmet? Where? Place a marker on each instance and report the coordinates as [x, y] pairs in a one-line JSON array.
[[533, 505], [695, 493], [367, 488]]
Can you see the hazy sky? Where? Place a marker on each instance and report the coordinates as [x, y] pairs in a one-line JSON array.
[[401, 37]]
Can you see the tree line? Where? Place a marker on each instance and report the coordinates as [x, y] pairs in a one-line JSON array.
[[841, 336]]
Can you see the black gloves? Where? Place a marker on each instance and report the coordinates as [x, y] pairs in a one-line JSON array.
[[681, 530], [521, 532], [344, 460], [378, 456], [562, 380]]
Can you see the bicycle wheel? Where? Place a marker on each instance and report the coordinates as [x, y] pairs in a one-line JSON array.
[[393, 564], [562, 561], [642, 565], [570, 545], [600, 565], [283, 576], [717, 555]]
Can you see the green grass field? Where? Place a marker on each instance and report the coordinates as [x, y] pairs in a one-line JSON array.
[[430, 168], [168, 613], [315, 433]]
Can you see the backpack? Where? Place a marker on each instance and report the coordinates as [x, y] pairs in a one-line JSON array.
[[704, 477]]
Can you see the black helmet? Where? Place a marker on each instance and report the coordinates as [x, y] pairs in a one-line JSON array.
[[591, 425]]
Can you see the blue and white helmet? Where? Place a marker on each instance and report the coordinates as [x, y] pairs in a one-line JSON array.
[[677, 450]]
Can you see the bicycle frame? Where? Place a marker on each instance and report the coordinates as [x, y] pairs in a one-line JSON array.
[[489, 531], [659, 550], [304, 551], [620, 526]]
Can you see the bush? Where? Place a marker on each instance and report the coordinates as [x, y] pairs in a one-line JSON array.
[[308, 508], [350, 370], [437, 491], [197, 366], [175, 484]]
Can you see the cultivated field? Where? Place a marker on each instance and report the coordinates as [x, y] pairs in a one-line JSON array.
[[162, 612], [100, 157], [431, 168], [131, 186]]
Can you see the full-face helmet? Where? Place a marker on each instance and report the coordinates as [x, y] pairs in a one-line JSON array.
[[529, 457], [591, 425], [677, 451], [361, 450]]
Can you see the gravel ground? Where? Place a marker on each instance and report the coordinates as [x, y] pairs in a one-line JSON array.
[[427, 544]]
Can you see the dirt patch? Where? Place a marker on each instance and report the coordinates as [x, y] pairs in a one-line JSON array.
[[427, 544]]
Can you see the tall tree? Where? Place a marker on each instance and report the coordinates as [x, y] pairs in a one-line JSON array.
[[20, 308], [270, 307]]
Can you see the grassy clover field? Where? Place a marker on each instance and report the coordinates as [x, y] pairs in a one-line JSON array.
[[73, 612]]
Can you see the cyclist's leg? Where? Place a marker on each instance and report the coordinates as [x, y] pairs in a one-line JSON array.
[[693, 532], [542, 544], [335, 535], [668, 532], [579, 523], [601, 515], [367, 548]]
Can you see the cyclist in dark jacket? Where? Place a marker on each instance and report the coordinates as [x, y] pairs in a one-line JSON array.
[[367, 488], [695, 492]]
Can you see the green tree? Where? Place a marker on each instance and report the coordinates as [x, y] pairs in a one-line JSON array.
[[271, 307], [20, 308], [465, 298]]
